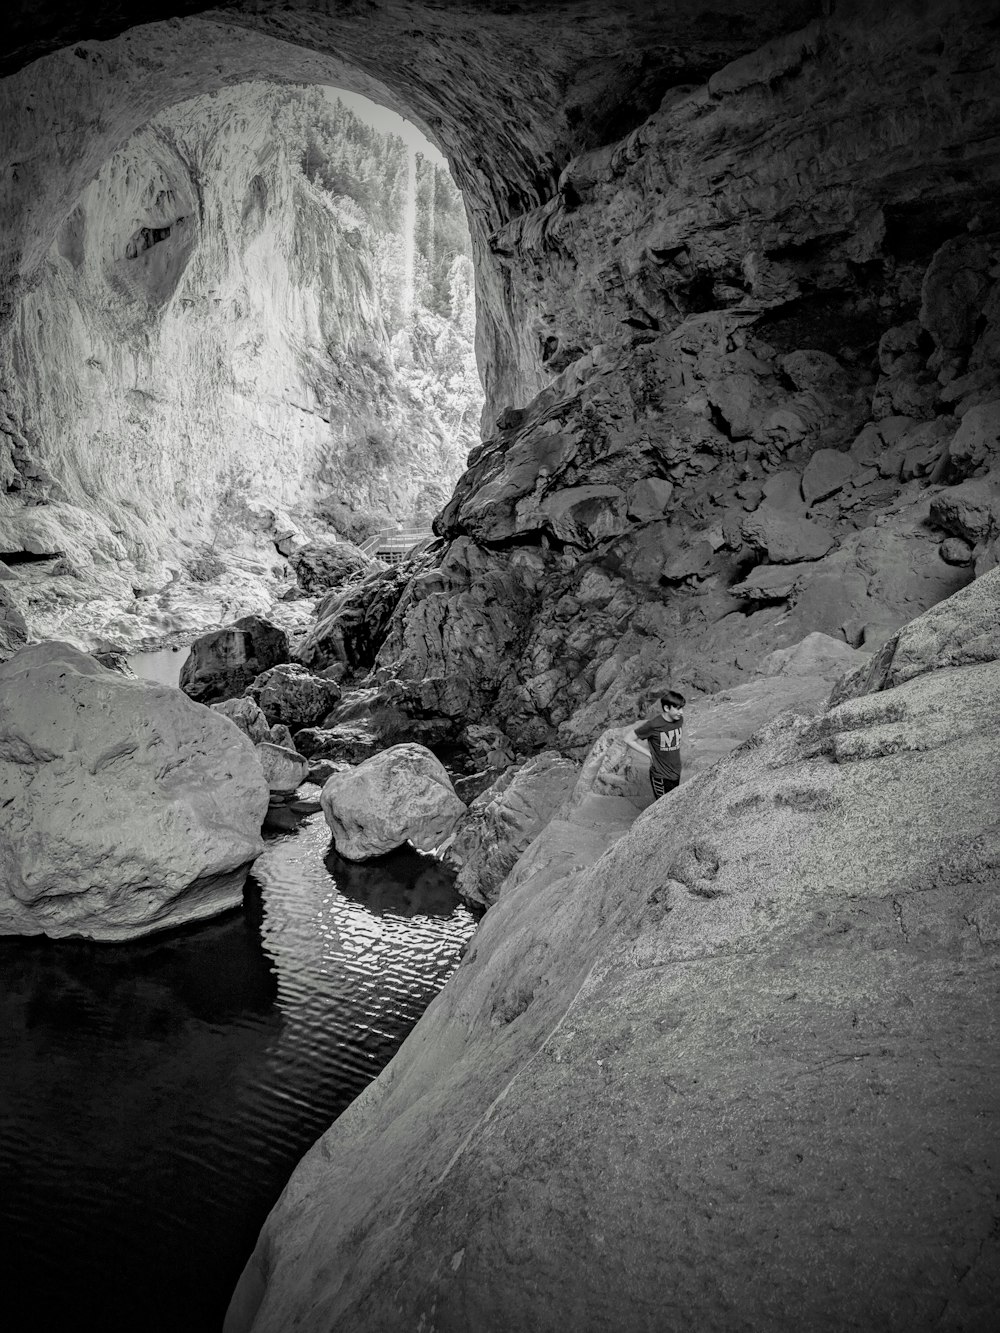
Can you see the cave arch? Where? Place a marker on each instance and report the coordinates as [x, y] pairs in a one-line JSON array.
[[509, 93]]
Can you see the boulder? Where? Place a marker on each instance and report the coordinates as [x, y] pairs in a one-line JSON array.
[[786, 538], [247, 716], [827, 472], [321, 770], [126, 807], [348, 742], [977, 439], [400, 795], [284, 769], [504, 819], [954, 551], [647, 499], [350, 622], [970, 510], [290, 694], [222, 664], [953, 291], [320, 566]]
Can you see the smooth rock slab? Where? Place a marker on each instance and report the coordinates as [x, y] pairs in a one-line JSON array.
[[126, 807], [401, 795]]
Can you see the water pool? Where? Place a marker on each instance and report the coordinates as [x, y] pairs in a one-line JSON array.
[[156, 1096]]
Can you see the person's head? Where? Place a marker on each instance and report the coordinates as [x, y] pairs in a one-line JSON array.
[[671, 701]]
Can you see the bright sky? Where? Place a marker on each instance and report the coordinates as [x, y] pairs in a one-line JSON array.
[[388, 122]]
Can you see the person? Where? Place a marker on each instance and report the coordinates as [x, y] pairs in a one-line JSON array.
[[662, 733]]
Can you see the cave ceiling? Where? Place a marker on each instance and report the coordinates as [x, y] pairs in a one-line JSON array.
[[510, 91]]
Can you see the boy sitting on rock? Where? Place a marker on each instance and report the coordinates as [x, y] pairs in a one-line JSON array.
[[662, 733]]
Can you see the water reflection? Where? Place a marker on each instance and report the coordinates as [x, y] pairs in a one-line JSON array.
[[156, 1095]]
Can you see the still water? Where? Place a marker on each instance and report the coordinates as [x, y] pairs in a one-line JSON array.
[[162, 664], [154, 1097]]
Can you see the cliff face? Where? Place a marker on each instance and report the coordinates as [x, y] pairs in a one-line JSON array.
[[770, 316], [227, 327]]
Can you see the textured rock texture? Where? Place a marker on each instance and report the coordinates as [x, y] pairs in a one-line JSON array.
[[775, 362], [126, 807], [740, 1069], [402, 794], [289, 696], [504, 819], [224, 664]]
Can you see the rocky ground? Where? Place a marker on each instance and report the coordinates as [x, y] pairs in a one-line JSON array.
[[737, 1071]]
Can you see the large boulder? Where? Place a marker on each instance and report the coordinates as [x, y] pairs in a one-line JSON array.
[[401, 795], [291, 695], [222, 664], [505, 818], [320, 566], [126, 807]]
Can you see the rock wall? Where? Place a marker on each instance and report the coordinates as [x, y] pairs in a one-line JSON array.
[[773, 309]]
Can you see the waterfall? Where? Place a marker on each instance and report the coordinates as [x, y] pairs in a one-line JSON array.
[[409, 233]]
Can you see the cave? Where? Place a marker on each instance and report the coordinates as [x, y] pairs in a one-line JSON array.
[[722, 418]]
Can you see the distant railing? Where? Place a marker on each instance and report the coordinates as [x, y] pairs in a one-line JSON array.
[[393, 545]]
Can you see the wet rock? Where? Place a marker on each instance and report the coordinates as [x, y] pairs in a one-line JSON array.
[[400, 795], [221, 665], [247, 716], [320, 566], [292, 696], [285, 770], [504, 819], [127, 808]]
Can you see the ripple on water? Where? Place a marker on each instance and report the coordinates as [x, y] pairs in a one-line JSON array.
[[156, 1095]]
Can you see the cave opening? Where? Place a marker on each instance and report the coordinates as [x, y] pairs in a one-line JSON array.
[[258, 337]]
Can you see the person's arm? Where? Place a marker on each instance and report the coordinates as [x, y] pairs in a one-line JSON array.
[[649, 727]]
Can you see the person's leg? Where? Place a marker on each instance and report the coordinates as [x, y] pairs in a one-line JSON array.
[[656, 782]]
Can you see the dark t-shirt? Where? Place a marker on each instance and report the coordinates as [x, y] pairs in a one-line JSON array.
[[664, 740]]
